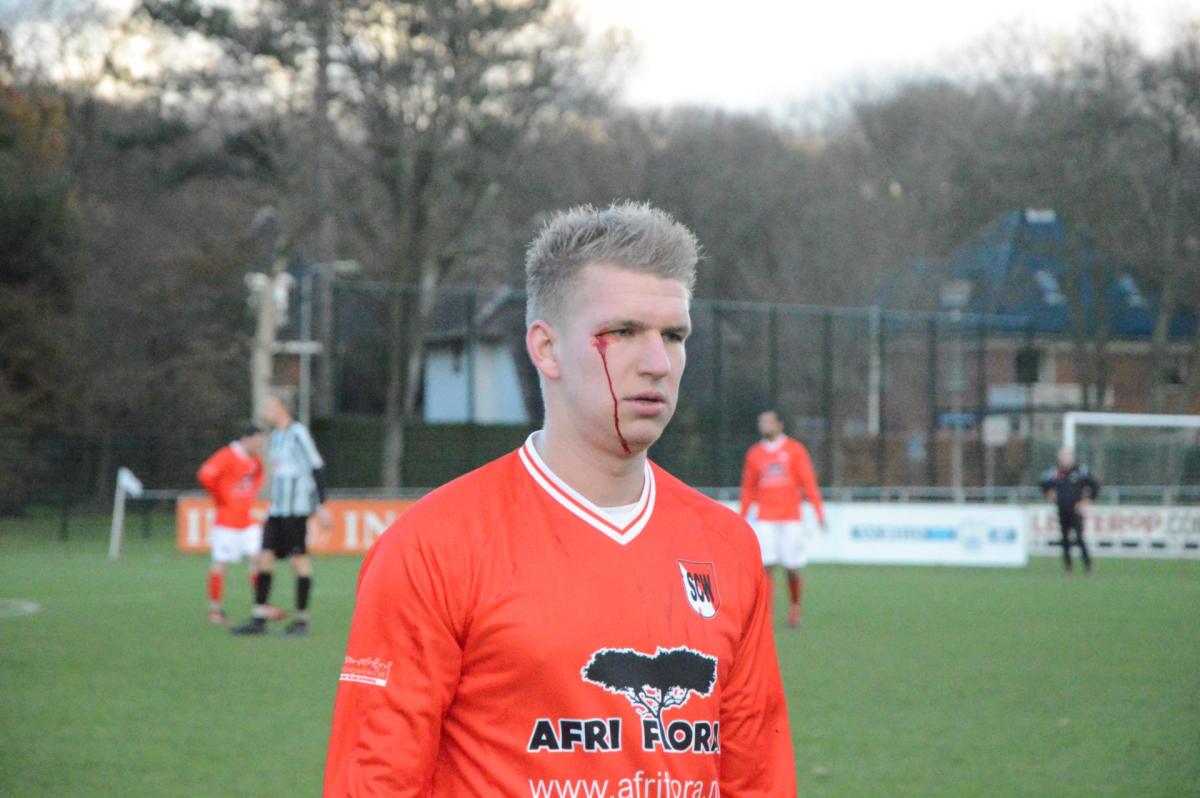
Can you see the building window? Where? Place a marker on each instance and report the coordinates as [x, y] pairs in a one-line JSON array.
[[1028, 362]]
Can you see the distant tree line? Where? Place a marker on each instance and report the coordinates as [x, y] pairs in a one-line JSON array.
[[426, 139]]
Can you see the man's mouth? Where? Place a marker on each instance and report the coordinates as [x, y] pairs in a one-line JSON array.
[[648, 402]]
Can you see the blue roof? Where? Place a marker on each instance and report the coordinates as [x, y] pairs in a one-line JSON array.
[[1018, 269]]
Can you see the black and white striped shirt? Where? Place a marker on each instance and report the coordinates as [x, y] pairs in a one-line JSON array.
[[293, 457]]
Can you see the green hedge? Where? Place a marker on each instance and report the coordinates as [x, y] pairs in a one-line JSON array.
[[434, 453]]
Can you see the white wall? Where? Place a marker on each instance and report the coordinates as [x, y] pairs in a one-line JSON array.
[[498, 396]]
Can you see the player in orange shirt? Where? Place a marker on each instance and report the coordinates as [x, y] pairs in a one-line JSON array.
[[570, 619], [778, 476], [233, 476]]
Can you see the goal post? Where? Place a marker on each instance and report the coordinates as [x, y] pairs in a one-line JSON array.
[[1137, 449], [1075, 419]]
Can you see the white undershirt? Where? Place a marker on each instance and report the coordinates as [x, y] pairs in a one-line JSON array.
[[621, 516], [775, 445]]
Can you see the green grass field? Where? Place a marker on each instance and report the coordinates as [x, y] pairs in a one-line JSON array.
[[902, 681]]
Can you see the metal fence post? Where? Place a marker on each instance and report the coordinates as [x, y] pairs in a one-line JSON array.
[[881, 438], [773, 360], [718, 395], [470, 344], [827, 457], [931, 463], [982, 391]]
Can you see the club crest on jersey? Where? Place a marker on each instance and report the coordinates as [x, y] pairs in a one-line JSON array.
[[700, 587]]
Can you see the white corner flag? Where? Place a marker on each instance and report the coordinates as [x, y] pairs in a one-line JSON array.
[[131, 484], [127, 485]]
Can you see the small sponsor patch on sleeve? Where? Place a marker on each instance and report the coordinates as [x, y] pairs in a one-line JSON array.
[[369, 670]]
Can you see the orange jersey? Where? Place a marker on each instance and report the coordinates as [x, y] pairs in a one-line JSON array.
[[232, 477], [509, 639], [777, 479]]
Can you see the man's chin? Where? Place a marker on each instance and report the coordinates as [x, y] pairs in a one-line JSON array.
[[642, 433]]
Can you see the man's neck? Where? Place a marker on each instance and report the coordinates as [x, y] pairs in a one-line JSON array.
[[604, 478]]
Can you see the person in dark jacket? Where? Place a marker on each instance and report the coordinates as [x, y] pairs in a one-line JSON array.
[[1072, 488]]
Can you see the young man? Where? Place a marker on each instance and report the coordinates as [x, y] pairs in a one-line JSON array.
[[296, 493], [778, 476], [571, 617], [1072, 488], [233, 476]]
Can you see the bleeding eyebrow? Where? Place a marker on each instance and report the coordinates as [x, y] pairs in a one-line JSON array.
[[638, 326]]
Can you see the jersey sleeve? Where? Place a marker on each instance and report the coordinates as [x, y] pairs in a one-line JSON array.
[[402, 666], [749, 484], [209, 475], [806, 478], [1092, 484], [309, 447], [756, 743]]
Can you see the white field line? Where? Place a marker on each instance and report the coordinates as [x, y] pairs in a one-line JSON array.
[[15, 608]]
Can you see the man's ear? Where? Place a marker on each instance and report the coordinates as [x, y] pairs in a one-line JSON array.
[[541, 341]]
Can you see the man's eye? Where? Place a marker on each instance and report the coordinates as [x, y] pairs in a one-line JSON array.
[[674, 337], [621, 332]]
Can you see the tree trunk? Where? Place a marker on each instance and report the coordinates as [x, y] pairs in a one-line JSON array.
[[391, 472], [405, 344]]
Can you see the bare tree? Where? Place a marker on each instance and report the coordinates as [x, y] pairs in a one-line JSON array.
[[442, 93]]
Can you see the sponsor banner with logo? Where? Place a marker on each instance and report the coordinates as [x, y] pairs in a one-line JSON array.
[[1119, 530], [918, 534], [925, 534], [928, 534], [356, 523]]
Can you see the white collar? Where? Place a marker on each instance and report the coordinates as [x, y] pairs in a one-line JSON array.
[[580, 506], [775, 445]]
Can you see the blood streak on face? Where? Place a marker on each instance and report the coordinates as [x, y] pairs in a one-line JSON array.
[[601, 344]]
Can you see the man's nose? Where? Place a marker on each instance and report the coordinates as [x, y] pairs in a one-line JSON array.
[[653, 360]]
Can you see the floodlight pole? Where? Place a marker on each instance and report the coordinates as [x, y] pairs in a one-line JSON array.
[[265, 294]]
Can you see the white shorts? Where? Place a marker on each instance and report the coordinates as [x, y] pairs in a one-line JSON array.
[[230, 545], [782, 543]]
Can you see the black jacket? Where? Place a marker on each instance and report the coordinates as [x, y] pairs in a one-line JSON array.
[[1070, 485]]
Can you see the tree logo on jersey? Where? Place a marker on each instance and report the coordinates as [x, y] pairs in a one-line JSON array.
[[656, 683], [700, 587]]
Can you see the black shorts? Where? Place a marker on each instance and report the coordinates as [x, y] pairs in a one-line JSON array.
[[286, 535]]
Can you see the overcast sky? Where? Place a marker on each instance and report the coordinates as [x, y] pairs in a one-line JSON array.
[[750, 54]]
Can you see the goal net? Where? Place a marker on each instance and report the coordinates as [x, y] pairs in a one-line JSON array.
[[1157, 456]]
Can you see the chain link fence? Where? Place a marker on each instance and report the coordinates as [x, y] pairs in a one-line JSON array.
[[883, 399]]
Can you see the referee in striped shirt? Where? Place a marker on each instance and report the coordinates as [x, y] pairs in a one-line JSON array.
[[294, 470]]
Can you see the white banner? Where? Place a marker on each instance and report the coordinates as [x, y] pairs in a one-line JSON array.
[[1122, 530], [919, 534], [928, 534], [992, 534]]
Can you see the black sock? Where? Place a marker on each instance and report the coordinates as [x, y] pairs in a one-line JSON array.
[[303, 588], [262, 588]]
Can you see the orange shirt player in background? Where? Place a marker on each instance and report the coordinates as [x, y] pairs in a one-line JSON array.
[[571, 619], [778, 476], [233, 476]]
